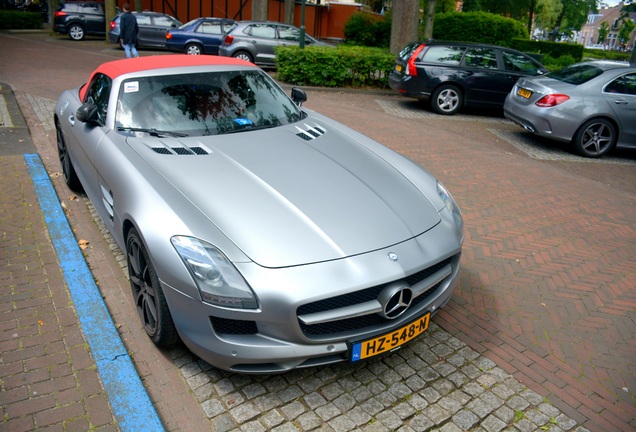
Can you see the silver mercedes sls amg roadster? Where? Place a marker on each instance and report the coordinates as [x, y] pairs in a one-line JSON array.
[[264, 235]]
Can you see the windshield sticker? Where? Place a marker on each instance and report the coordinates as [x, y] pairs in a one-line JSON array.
[[131, 87], [243, 121]]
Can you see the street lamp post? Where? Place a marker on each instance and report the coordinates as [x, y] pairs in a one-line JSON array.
[[302, 24]]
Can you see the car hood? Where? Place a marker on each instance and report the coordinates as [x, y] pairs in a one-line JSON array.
[[292, 195]]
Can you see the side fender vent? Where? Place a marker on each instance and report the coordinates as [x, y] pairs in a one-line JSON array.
[[310, 132]]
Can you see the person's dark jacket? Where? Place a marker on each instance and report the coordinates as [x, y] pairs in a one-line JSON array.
[[128, 28]]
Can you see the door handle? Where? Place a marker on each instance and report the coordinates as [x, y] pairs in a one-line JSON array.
[[621, 102]]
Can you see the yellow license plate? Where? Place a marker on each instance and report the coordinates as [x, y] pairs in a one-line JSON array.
[[389, 341], [398, 68], [524, 93]]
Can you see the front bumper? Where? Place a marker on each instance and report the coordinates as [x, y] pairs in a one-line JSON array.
[[273, 339]]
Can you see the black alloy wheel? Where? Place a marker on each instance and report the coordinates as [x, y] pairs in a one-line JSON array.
[[70, 176], [147, 293]]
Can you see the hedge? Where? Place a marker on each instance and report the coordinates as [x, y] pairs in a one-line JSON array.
[[18, 20], [342, 66], [552, 49], [478, 27]]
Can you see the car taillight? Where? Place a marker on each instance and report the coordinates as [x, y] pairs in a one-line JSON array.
[[168, 35], [113, 24], [229, 39], [411, 69], [60, 13], [552, 100]]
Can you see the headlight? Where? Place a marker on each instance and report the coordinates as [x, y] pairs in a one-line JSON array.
[[218, 281], [452, 207]]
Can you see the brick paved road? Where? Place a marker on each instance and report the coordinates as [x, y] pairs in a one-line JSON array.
[[547, 295]]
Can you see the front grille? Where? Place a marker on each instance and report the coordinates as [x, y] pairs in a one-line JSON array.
[[333, 328], [233, 327]]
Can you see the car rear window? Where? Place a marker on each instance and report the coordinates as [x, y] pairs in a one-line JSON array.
[[576, 74], [408, 50], [450, 55]]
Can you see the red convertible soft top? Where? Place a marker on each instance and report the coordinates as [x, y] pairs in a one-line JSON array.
[[113, 69]]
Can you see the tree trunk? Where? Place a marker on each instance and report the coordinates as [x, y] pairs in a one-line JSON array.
[[533, 5], [289, 11], [259, 10], [110, 12], [430, 18], [404, 23]]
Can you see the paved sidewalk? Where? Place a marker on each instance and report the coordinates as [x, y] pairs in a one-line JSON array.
[[527, 271]]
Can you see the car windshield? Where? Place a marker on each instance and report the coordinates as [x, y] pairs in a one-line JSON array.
[[576, 74], [210, 103]]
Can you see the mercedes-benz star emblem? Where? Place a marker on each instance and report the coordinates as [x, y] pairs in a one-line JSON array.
[[393, 256], [395, 300]]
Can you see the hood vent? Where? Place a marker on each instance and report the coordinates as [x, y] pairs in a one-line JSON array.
[[311, 132], [180, 150]]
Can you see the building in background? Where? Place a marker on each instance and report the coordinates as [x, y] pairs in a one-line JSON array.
[[589, 34]]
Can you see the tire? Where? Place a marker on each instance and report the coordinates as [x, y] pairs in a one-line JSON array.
[[193, 49], [595, 138], [76, 32], [447, 100], [243, 55], [147, 294], [70, 176]]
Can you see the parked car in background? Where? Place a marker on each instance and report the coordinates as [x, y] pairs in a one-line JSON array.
[[254, 41], [452, 75], [78, 19], [199, 36], [152, 29], [590, 104], [285, 239]]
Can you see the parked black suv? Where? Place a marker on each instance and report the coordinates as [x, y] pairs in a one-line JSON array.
[[80, 18], [452, 75]]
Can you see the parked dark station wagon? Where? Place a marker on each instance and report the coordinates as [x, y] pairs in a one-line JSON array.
[[452, 75]]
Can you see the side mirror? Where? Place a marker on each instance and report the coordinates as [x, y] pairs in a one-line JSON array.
[[298, 96], [87, 113]]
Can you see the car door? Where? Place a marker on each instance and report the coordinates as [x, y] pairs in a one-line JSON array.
[[620, 95], [210, 33], [289, 36], [87, 137], [146, 34], [263, 38], [517, 65], [93, 17], [161, 24], [485, 83]]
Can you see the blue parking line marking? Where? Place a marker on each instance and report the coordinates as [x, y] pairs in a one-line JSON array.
[[128, 397]]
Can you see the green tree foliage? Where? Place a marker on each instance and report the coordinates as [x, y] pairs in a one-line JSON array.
[[478, 27], [603, 31], [442, 6]]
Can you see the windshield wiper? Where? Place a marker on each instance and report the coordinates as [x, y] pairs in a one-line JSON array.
[[152, 131], [248, 128]]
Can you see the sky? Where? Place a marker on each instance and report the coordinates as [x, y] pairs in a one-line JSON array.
[[611, 3]]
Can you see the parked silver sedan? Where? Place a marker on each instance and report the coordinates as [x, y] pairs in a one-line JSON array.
[[590, 104], [265, 235]]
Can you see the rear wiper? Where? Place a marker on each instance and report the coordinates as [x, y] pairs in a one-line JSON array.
[[152, 131]]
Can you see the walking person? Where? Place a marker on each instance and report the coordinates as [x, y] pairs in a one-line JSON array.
[[128, 30]]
